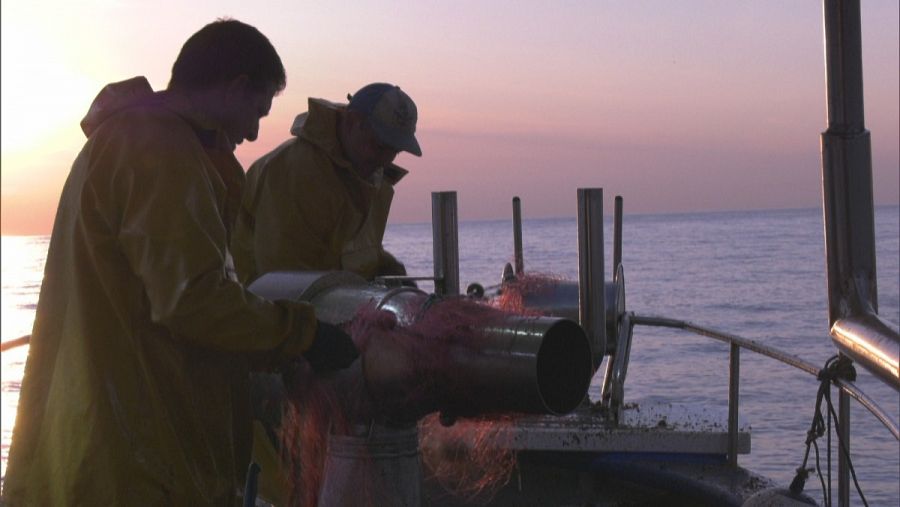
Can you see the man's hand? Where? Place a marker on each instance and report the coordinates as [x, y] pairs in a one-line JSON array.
[[390, 266], [332, 349]]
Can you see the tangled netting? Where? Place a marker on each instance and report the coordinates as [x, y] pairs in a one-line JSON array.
[[514, 293], [469, 458]]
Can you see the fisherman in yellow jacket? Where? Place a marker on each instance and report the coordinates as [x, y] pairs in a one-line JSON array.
[[320, 201], [136, 386]]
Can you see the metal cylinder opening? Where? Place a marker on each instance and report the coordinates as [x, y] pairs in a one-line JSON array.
[[564, 367]]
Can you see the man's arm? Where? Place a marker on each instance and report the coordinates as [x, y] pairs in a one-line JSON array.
[[297, 218], [172, 234], [390, 266]]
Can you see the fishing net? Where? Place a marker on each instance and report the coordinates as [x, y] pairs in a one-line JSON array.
[[515, 292], [469, 458]]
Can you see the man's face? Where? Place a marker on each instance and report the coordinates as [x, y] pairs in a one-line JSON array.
[[368, 153], [248, 110], [242, 107]]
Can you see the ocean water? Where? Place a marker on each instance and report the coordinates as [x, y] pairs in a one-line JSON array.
[[756, 274]]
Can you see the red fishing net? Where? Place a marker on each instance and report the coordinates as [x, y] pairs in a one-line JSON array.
[[514, 293], [411, 361]]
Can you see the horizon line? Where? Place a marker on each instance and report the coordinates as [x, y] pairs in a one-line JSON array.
[[558, 217]]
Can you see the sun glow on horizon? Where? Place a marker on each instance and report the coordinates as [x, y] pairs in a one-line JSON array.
[[712, 107], [41, 95]]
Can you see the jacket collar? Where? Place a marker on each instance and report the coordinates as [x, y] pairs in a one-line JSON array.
[[319, 126], [136, 92]]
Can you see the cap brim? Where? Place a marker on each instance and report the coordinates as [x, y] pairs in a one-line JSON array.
[[400, 141], [410, 146]]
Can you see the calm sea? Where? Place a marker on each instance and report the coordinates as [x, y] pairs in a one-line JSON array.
[[756, 274]]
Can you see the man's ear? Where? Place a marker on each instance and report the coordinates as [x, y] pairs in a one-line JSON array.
[[238, 86], [355, 118]]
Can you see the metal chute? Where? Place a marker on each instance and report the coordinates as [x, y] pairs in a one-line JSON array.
[[514, 363]]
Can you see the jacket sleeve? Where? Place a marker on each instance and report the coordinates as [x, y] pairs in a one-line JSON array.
[[389, 265], [297, 216], [172, 234]]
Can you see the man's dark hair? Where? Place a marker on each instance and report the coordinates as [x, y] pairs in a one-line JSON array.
[[223, 50]]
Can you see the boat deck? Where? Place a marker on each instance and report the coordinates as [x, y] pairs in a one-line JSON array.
[[661, 454]]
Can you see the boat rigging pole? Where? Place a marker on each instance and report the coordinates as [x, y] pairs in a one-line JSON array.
[[848, 204]]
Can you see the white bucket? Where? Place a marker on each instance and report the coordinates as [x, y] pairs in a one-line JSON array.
[[380, 468]]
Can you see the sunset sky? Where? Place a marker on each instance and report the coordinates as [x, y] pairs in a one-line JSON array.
[[676, 105]]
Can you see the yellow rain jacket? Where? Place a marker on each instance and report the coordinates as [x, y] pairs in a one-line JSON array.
[[135, 388], [306, 208]]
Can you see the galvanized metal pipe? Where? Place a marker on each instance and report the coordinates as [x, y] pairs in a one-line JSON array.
[[517, 236], [513, 364], [617, 235], [521, 364], [870, 341], [591, 304], [734, 380], [445, 235], [843, 65], [609, 385], [850, 218], [612, 395], [848, 203]]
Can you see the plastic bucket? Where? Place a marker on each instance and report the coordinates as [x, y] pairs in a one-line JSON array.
[[381, 468]]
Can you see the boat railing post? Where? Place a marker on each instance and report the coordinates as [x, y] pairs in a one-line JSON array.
[[591, 298], [517, 236], [844, 448], [848, 204], [734, 379], [445, 238], [617, 235]]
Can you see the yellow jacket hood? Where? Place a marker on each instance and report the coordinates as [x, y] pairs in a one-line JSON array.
[[113, 98], [317, 125]]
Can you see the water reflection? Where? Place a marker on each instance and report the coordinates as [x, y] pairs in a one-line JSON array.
[[22, 272]]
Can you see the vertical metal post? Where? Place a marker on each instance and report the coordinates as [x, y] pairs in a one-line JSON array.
[[591, 298], [445, 236], [843, 457], [847, 169], [856, 329], [617, 235], [517, 236], [734, 381], [849, 213], [612, 391]]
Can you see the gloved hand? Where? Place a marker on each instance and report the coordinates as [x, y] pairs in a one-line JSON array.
[[332, 349], [390, 266]]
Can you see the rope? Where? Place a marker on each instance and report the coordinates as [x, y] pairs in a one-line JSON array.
[[837, 367], [22, 340]]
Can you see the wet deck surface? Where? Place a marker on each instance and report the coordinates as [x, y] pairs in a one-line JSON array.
[[645, 428], [661, 454]]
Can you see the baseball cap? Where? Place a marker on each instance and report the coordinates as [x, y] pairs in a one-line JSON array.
[[391, 114]]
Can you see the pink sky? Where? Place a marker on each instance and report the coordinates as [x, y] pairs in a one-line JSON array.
[[677, 106]]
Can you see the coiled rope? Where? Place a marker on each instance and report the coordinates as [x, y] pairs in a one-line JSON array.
[[836, 367]]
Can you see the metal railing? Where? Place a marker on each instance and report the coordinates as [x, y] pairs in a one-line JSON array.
[[736, 343]]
